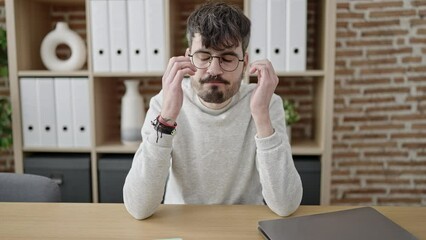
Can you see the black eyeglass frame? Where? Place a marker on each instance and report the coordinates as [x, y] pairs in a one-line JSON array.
[[211, 60]]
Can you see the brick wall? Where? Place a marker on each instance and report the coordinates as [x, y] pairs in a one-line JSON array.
[[379, 136]]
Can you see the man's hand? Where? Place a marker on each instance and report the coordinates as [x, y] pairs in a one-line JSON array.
[[267, 82], [177, 68]]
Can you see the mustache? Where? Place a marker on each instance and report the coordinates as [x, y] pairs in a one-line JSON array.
[[216, 79]]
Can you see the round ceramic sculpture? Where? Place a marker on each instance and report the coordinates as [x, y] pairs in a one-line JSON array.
[[132, 113], [63, 35]]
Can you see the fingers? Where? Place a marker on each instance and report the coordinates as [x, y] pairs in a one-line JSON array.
[[177, 68], [265, 72]]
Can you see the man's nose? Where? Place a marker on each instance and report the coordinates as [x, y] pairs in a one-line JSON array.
[[215, 68]]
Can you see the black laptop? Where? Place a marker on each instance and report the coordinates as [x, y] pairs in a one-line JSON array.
[[364, 223]]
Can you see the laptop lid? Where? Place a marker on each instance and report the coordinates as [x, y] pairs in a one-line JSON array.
[[361, 223]]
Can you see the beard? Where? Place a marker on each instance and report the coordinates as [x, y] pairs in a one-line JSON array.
[[214, 93]]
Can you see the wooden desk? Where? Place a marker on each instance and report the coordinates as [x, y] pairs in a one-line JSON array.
[[111, 221]]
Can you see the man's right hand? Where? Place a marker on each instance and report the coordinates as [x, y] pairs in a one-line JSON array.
[[176, 70]]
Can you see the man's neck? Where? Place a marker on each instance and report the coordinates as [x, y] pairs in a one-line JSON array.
[[215, 106]]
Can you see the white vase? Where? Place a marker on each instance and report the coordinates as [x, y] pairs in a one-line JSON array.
[[62, 34], [132, 113]]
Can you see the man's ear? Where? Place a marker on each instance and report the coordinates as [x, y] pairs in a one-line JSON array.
[[246, 60], [187, 52]]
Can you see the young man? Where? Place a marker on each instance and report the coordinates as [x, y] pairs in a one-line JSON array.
[[209, 139]]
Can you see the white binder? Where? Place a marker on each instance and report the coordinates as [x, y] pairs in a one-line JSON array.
[[30, 113], [46, 108], [81, 111], [155, 25], [276, 33], [117, 13], [258, 10], [63, 108], [100, 35], [296, 35], [137, 40]]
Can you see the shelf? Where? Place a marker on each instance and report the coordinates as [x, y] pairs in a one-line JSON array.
[[128, 74], [116, 147], [57, 149], [46, 73], [306, 147]]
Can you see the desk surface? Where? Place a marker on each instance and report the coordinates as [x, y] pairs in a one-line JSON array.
[[111, 221]]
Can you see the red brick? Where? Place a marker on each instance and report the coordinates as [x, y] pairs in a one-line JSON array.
[[386, 144], [417, 22], [347, 110], [366, 191], [381, 5], [345, 34], [374, 24], [363, 43], [417, 69], [345, 181], [365, 119], [388, 181], [421, 31], [394, 70], [416, 145], [382, 127], [419, 181], [348, 53], [399, 108], [419, 79], [419, 126], [418, 3], [399, 200], [417, 40], [344, 6], [363, 136], [346, 155], [375, 100], [381, 33], [344, 71], [357, 200], [350, 15], [341, 24], [389, 154], [343, 128], [392, 90], [407, 163], [412, 59], [409, 117], [399, 13], [340, 91], [409, 135], [373, 62], [390, 51], [360, 164], [408, 191]]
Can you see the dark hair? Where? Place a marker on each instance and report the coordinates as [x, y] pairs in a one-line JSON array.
[[220, 25]]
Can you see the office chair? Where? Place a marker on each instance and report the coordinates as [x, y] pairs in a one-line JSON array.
[[16, 187]]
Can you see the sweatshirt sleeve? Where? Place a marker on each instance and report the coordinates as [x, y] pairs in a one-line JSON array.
[[281, 183], [145, 183]]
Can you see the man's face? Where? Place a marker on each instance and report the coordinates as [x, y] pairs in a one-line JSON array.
[[213, 84]]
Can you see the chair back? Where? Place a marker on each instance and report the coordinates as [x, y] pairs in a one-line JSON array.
[[15, 187]]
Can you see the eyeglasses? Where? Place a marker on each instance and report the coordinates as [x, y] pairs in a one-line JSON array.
[[227, 62]]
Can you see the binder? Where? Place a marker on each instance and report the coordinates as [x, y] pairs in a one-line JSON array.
[[276, 29], [46, 108], [100, 35], [63, 108], [258, 10], [81, 111], [137, 42], [117, 13], [30, 114], [155, 25], [296, 35]]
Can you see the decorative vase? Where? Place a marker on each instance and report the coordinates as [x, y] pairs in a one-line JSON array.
[[62, 34], [132, 113]]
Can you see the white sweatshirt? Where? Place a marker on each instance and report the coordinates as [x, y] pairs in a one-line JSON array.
[[215, 157]]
